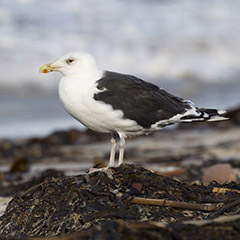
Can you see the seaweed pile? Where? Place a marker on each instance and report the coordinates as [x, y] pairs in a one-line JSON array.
[[105, 200]]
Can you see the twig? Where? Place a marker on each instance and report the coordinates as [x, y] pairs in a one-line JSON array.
[[225, 208], [184, 205]]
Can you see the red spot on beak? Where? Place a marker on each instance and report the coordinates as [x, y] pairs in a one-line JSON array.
[[45, 71]]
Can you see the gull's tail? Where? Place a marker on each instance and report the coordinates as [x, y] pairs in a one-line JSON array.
[[204, 114], [211, 115]]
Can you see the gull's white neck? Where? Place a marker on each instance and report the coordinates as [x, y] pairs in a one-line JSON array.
[[79, 82], [76, 89]]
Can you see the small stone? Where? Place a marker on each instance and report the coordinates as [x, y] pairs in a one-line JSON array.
[[221, 173], [137, 186]]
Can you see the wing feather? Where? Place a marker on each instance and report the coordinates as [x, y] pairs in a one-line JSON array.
[[141, 101]]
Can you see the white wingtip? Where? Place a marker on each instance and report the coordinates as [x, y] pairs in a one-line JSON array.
[[217, 118], [222, 112]]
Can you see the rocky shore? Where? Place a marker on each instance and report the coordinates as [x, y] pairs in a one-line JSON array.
[[183, 181]]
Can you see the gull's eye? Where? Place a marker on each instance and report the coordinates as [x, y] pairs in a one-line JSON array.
[[69, 60]]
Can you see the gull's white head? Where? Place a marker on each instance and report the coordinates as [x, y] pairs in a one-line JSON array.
[[72, 64]]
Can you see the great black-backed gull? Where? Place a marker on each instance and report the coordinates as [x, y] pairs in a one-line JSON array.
[[119, 104]]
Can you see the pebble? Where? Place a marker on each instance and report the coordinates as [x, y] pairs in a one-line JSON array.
[[221, 173]]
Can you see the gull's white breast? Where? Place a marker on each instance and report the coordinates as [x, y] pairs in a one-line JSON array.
[[78, 100]]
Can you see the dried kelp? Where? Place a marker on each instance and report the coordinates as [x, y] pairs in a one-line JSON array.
[[64, 205]]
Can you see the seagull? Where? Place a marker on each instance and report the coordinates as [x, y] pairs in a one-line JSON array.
[[120, 104]]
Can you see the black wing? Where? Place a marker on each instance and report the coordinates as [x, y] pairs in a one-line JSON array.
[[139, 100]]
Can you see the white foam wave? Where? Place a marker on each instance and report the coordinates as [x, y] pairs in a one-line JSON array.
[[157, 39]]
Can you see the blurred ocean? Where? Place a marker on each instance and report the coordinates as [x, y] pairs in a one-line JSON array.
[[191, 48]]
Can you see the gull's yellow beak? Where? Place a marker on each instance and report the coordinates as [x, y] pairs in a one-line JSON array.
[[48, 68]]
